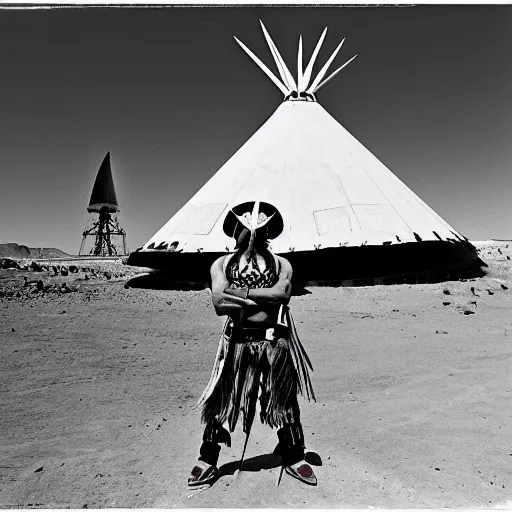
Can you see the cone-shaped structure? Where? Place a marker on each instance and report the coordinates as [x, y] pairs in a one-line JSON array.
[[103, 192], [103, 208], [330, 190], [337, 201]]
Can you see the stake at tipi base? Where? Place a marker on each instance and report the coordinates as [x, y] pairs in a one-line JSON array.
[[347, 217]]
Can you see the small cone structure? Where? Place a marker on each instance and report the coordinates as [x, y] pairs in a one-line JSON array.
[[103, 192]]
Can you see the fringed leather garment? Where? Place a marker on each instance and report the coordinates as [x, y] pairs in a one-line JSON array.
[[248, 365]]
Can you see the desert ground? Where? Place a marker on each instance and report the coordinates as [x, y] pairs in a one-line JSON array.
[[99, 384]]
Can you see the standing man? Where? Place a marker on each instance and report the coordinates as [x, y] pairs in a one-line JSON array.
[[259, 351]]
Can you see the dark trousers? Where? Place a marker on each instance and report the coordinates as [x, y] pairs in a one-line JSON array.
[[291, 445]]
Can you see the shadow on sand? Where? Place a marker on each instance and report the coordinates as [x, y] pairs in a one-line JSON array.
[[161, 280], [267, 461], [254, 464]]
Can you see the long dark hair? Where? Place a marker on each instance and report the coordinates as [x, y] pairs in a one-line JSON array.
[[260, 244]]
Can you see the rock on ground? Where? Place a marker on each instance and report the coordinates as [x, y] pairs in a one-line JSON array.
[[99, 392]]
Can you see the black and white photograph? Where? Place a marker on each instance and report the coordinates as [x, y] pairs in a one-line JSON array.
[[255, 256]]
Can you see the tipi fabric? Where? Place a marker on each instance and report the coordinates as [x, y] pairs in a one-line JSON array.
[[330, 190]]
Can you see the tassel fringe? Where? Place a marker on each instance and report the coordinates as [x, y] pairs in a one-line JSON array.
[[280, 370]]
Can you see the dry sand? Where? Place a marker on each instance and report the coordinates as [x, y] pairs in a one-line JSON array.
[[99, 390]]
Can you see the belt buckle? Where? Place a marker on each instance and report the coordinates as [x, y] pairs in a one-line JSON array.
[[269, 334]]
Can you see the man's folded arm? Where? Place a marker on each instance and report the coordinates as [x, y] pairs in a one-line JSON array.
[[279, 293], [225, 303]]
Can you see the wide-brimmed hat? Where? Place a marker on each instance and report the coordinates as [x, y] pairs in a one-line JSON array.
[[253, 215]]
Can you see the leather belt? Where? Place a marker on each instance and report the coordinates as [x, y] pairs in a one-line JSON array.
[[247, 334]]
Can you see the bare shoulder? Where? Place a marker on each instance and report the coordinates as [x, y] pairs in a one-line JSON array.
[[286, 267], [218, 265]]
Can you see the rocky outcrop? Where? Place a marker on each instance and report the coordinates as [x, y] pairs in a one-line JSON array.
[[17, 251], [14, 251]]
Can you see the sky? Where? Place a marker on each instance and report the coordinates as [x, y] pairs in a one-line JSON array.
[[171, 95]]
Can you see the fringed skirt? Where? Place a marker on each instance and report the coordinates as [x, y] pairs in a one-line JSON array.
[[247, 367]]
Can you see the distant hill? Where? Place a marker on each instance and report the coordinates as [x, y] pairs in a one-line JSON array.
[[22, 251], [47, 252], [14, 251]]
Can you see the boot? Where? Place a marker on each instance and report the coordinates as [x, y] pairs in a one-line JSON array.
[[292, 451], [205, 472]]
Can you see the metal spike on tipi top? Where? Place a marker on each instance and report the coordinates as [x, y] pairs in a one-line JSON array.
[[300, 90], [299, 64], [309, 68], [323, 71], [333, 74], [264, 68], [281, 66]]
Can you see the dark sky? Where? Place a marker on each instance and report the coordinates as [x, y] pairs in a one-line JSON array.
[[172, 96]]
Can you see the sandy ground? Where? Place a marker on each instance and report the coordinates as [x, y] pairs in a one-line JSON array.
[[414, 389]]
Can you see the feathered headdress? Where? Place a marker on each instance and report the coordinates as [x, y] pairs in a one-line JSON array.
[[253, 221], [254, 216]]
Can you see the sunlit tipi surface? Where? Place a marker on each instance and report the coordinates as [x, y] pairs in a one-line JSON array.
[[330, 190]]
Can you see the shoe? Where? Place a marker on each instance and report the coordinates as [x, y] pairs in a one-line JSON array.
[[302, 471], [203, 474]]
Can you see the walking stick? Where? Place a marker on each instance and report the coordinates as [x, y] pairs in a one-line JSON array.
[[250, 418], [279, 476], [237, 472]]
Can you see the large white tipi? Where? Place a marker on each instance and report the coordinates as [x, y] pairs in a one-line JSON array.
[[332, 193]]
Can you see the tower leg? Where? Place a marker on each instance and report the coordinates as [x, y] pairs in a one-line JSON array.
[[82, 245], [104, 230]]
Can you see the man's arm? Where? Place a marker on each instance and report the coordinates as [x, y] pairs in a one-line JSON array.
[[279, 293], [224, 303]]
